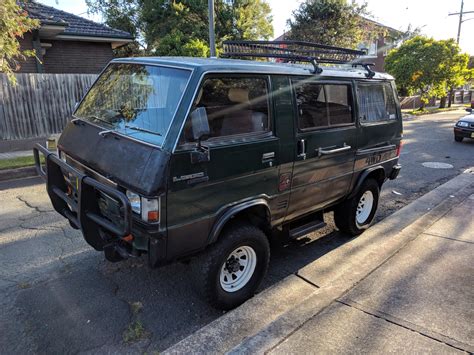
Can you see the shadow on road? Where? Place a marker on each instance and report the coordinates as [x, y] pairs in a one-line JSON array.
[[68, 302]]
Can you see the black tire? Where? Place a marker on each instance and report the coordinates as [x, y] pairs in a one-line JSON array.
[[458, 139], [208, 266], [345, 214]]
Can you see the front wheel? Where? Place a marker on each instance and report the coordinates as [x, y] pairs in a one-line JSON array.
[[230, 271], [458, 139], [356, 214]]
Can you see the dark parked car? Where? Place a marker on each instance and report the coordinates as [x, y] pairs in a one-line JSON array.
[[464, 127], [206, 159]]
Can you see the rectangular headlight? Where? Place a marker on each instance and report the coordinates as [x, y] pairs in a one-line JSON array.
[[463, 124], [147, 208], [135, 201]]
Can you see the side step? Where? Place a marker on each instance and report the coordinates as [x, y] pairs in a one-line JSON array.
[[306, 228]]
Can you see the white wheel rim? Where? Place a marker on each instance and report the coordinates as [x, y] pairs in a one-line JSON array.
[[364, 207], [238, 269]]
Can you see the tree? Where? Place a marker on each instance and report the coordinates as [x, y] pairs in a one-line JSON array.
[[14, 23], [253, 20], [331, 22], [426, 66], [416, 66], [455, 69], [180, 27]]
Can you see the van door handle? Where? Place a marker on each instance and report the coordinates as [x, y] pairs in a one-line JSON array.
[[268, 158], [301, 149], [322, 151]]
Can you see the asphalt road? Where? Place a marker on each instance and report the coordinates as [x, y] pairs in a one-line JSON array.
[[57, 295]]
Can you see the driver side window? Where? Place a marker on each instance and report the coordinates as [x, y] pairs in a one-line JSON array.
[[234, 106]]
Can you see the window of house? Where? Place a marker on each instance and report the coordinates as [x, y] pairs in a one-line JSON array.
[[370, 47], [376, 102], [323, 105], [233, 105]]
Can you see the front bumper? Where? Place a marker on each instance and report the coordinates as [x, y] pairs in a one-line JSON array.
[[82, 208], [464, 132]]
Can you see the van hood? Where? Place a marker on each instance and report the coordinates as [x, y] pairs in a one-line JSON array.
[[131, 164]]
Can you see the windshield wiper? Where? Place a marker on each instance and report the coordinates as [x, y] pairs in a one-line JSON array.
[[141, 129], [95, 118]]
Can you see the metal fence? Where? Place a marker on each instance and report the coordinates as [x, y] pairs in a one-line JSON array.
[[40, 104]]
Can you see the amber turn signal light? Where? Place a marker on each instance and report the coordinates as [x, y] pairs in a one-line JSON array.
[[153, 216], [128, 238]]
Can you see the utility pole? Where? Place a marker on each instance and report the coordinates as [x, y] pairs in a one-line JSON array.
[[460, 19], [212, 37], [460, 13], [460, 22]]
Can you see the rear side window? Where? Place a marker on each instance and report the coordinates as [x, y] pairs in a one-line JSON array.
[[376, 102], [233, 105], [323, 105]]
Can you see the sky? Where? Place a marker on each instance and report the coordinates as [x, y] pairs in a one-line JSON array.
[[430, 15]]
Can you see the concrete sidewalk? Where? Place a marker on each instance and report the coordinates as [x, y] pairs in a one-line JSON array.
[[405, 285]]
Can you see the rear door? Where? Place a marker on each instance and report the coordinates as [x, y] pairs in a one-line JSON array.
[[379, 116], [325, 144], [380, 129]]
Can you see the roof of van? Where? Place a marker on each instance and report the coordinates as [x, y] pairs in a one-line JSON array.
[[237, 65]]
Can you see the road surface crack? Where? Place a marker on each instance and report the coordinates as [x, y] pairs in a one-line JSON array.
[[29, 205]]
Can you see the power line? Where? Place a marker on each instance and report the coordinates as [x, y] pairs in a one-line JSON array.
[[461, 13]]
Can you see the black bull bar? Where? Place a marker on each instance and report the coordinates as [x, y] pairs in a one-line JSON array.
[[83, 213]]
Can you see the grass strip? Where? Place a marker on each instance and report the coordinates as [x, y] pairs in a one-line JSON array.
[[19, 162]]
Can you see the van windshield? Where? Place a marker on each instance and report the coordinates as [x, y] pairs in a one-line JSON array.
[[136, 100]]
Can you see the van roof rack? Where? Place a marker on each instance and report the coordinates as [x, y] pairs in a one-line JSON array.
[[295, 51]]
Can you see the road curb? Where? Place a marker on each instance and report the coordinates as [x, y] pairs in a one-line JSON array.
[[18, 173], [330, 277]]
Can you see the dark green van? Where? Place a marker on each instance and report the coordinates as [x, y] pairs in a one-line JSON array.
[[180, 158]]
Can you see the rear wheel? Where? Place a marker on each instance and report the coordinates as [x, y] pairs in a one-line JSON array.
[[356, 214], [458, 139], [230, 271]]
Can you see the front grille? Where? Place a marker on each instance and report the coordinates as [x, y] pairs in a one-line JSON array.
[[88, 171]]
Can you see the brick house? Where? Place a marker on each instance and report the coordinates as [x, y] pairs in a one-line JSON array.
[[66, 43], [377, 49]]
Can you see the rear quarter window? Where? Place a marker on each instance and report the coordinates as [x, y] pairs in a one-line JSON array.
[[376, 102]]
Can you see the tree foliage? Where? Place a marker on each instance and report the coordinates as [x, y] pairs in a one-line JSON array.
[[253, 20], [180, 27], [331, 22], [14, 23], [428, 67], [455, 67]]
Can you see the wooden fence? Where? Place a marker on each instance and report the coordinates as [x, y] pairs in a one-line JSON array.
[[40, 104]]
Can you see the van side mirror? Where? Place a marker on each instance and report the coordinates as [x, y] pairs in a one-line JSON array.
[[201, 131], [469, 110], [200, 124]]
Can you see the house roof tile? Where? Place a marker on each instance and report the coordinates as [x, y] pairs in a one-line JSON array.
[[75, 25]]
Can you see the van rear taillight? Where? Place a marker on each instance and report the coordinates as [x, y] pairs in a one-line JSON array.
[[399, 148]]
